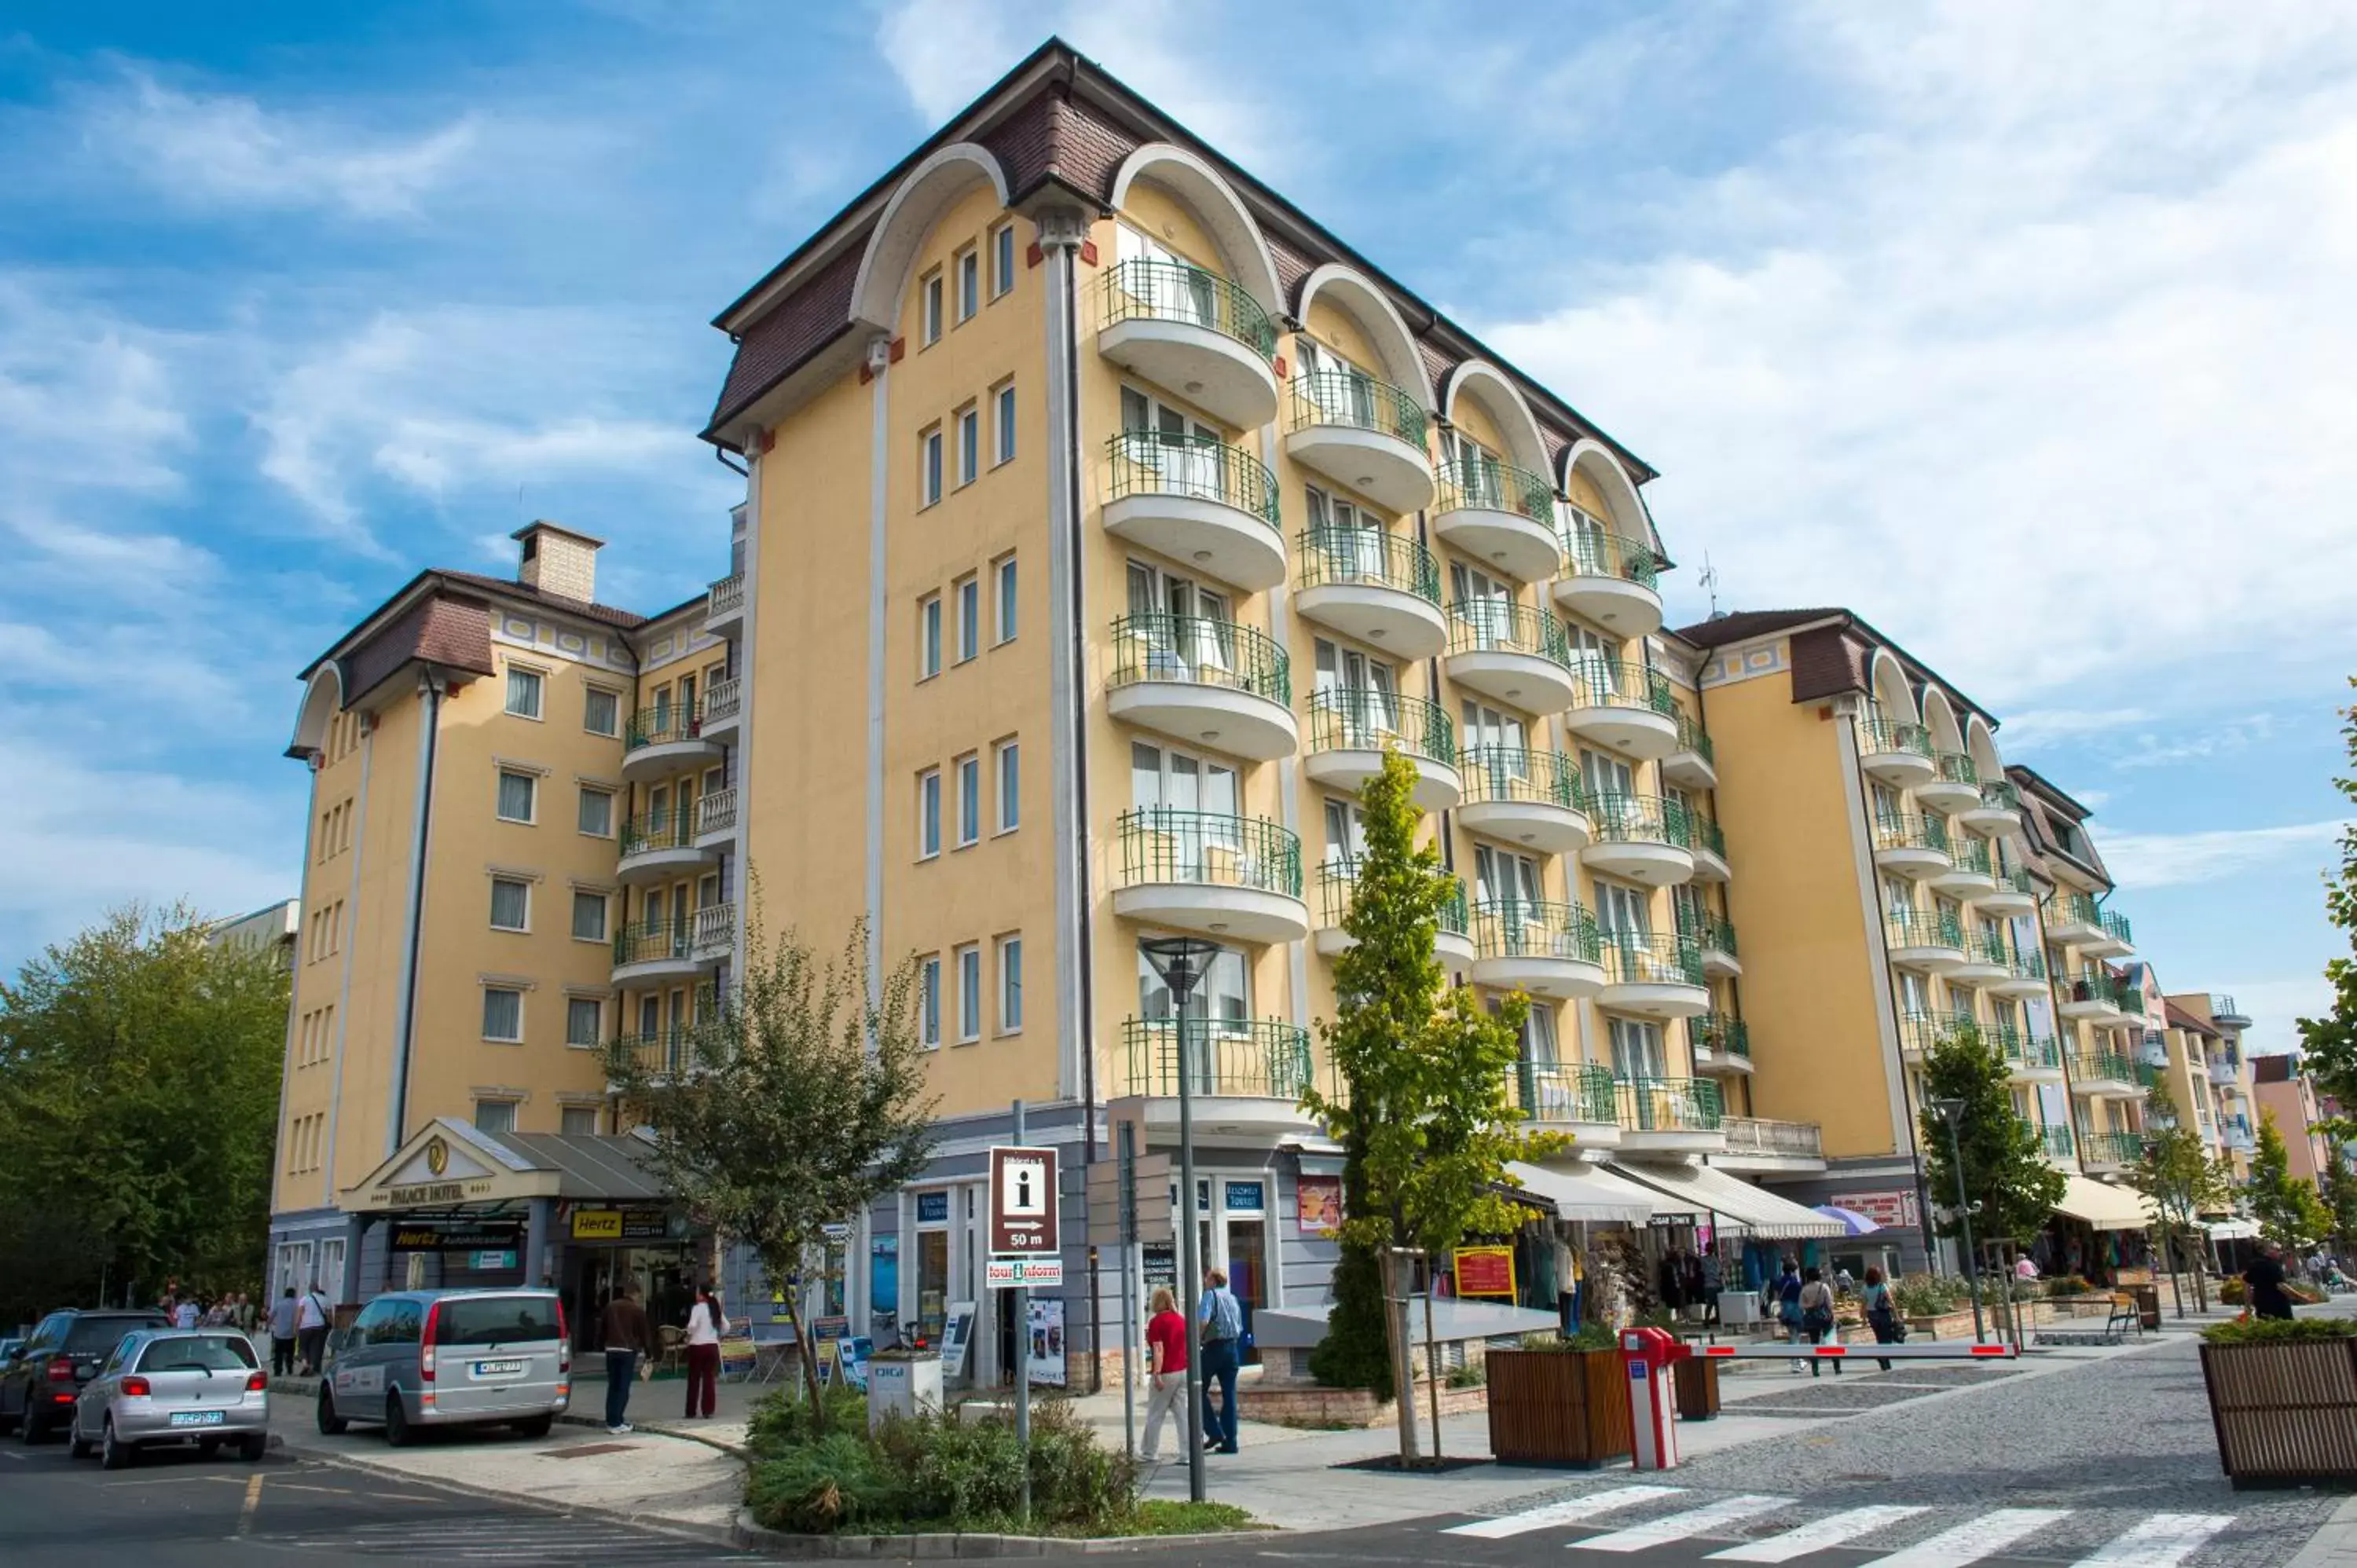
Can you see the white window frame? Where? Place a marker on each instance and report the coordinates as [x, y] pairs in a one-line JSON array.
[[508, 1105], [1002, 259], [968, 590], [514, 991], [538, 686], [930, 292], [1002, 424], [929, 813], [589, 694], [969, 457], [1004, 584], [589, 792], [522, 884], [605, 915], [499, 802], [928, 637], [566, 1113], [969, 992], [967, 269], [1010, 984], [969, 799], [1006, 776], [598, 1032], [930, 467], [928, 1001]]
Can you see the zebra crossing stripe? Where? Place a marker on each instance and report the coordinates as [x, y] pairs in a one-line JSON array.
[[1678, 1526], [1818, 1534], [1566, 1511], [2161, 1541], [1973, 1539]]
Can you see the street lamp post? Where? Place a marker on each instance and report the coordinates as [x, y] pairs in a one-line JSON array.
[[1180, 963], [1952, 1111]]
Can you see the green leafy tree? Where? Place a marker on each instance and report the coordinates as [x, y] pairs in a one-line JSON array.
[[1424, 1118], [2286, 1207], [139, 1069], [2338, 1190], [2005, 1175], [2182, 1181], [2330, 1043], [804, 1104]]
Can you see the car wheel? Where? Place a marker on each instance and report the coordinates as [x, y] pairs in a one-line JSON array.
[[252, 1449], [538, 1426], [397, 1430], [330, 1423], [30, 1430], [112, 1453], [76, 1445]]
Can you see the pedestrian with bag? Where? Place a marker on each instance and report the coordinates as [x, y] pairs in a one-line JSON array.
[[1817, 1317], [311, 1331], [1788, 1305], [1224, 1329], [1882, 1313], [282, 1335], [622, 1330], [2265, 1279], [705, 1322], [1165, 1362]]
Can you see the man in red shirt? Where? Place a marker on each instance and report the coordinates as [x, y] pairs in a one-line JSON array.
[[1166, 1345]]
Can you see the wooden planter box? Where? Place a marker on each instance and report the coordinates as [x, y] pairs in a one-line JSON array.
[[1567, 1408], [2285, 1414], [1695, 1381]]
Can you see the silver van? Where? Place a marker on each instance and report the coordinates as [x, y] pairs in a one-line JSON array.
[[451, 1357]]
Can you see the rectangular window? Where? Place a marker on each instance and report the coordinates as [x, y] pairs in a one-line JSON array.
[[578, 1120], [1005, 574], [969, 613], [929, 310], [517, 793], [589, 915], [596, 817], [601, 712], [969, 429], [1009, 761], [1003, 419], [969, 966], [585, 1019], [495, 1115], [929, 1001], [1010, 985], [969, 789], [929, 813], [1002, 252], [502, 1014], [511, 903], [930, 446], [969, 284], [523, 692], [928, 637]]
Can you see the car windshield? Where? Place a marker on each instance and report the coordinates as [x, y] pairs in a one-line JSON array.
[[212, 1353], [96, 1336], [496, 1320]]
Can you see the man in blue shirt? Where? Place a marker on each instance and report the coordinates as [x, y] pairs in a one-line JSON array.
[[1223, 1327]]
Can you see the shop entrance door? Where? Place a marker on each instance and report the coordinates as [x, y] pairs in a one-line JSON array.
[[1231, 1232]]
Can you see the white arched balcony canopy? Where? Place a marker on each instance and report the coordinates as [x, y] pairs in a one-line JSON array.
[[907, 219], [1199, 187], [1629, 519], [1490, 387], [322, 699], [1980, 742], [1372, 308], [1892, 696], [1940, 718]]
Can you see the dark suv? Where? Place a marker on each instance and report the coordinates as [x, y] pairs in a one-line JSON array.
[[39, 1381]]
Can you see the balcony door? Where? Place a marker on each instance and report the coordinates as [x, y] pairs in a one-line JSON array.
[[1352, 541], [1625, 912], [1192, 805], [1346, 831], [1171, 286], [1363, 694], [1914, 993], [1219, 1011], [1480, 478], [1605, 774], [1485, 606], [1507, 884], [1188, 455], [1345, 392], [1188, 629], [1590, 540], [1595, 657], [1637, 1050]]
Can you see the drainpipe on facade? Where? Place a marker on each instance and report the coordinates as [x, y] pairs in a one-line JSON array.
[[429, 692]]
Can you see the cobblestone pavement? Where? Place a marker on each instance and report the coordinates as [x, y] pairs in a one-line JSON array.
[[2112, 1442]]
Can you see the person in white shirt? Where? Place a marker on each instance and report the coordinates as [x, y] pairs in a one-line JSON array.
[[185, 1315], [311, 1330], [705, 1322]]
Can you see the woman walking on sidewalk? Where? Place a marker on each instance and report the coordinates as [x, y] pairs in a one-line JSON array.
[[1817, 1317], [1165, 1347], [705, 1322], [1880, 1314]]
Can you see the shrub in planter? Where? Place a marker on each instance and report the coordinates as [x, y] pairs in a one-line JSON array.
[[2280, 1330], [817, 1489], [1928, 1295]]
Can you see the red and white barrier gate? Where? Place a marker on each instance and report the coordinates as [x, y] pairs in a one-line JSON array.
[[1952, 1351]]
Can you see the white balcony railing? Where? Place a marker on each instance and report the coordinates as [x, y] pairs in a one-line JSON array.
[[715, 930], [717, 812], [722, 700], [726, 596], [1753, 1135]]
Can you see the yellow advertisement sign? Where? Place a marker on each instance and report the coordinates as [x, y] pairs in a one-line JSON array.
[[597, 1224]]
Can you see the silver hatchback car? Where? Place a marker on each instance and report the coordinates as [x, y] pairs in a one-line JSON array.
[[173, 1385]]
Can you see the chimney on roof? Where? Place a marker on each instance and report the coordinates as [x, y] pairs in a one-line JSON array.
[[559, 560]]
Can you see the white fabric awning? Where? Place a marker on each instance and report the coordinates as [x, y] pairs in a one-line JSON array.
[[2105, 1207], [1732, 1203], [2231, 1229], [1586, 1192]]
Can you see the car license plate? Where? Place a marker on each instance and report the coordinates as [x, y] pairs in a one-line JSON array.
[[498, 1369], [197, 1418]]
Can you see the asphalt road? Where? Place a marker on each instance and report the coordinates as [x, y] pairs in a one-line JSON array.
[[175, 1509]]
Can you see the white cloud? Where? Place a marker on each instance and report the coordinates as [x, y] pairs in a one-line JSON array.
[[2161, 860], [2163, 750], [229, 151], [2020, 316], [2036, 729], [945, 51], [86, 399]]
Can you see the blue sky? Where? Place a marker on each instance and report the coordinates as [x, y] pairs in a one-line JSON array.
[[2023, 330]]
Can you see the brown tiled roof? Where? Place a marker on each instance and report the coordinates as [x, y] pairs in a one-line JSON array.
[[611, 615], [436, 630], [1742, 626], [2275, 1066], [2179, 1018]]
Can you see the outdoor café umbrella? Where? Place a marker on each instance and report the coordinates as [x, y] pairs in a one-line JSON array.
[[1853, 1223]]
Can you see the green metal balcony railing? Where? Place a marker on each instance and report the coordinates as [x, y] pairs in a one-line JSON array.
[[1601, 681], [1360, 402], [1594, 551], [2012, 882], [1914, 927], [1338, 881], [1509, 928], [648, 943], [1911, 830], [1358, 718], [2088, 985], [1493, 485], [1722, 1033], [667, 1050], [1202, 467], [1369, 558], [1161, 843], [2110, 1148], [1199, 651], [1551, 1092], [1641, 958], [2109, 1066], [658, 830], [1259, 1058], [1502, 625], [1999, 795], [1158, 290], [1512, 773], [1641, 819], [2053, 1139], [2066, 908], [2022, 964], [1970, 854], [1693, 737], [1710, 933], [1708, 835], [661, 724], [1957, 767], [1928, 1031], [1669, 1104], [1879, 736], [2037, 1053], [2116, 927]]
